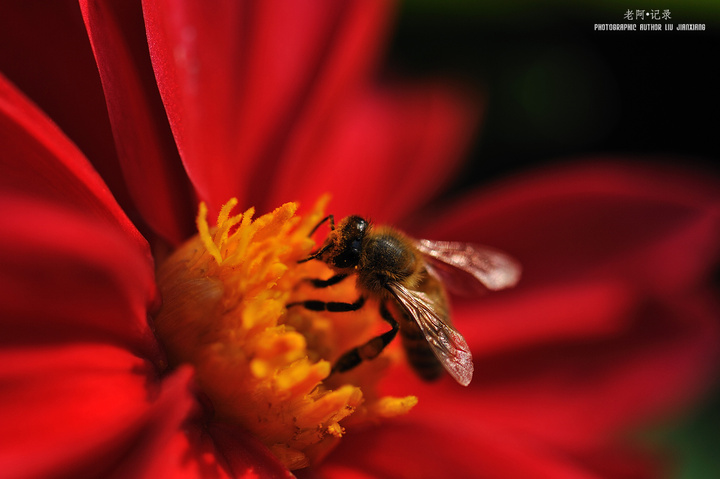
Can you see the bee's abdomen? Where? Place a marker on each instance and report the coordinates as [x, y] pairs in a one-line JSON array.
[[417, 350]]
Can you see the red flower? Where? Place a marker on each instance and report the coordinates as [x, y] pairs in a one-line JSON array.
[[613, 324]]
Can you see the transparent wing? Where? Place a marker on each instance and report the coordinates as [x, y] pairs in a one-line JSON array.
[[446, 343], [461, 266]]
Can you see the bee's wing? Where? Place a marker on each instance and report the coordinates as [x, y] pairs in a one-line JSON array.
[[461, 266], [446, 343]]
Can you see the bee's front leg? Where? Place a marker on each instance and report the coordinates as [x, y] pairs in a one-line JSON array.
[[324, 283], [319, 252], [332, 306]]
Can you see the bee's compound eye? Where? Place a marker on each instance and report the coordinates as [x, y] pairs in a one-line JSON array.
[[356, 227]]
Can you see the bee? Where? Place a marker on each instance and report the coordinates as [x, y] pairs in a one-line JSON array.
[[410, 277]]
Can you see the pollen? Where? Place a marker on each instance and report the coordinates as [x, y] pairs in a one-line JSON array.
[[263, 366]]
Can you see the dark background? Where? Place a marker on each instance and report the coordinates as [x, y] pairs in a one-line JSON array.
[[556, 90]]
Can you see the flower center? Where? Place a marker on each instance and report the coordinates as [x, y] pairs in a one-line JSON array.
[[265, 367]]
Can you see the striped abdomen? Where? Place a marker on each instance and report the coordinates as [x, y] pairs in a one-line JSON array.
[[417, 349]]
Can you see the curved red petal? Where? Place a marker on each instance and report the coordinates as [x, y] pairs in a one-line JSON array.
[[657, 224], [196, 451], [246, 456], [238, 78], [38, 160], [47, 55], [149, 159], [188, 452], [510, 320], [611, 324], [168, 440], [583, 272], [67, 277], [575, 392], [635, 361], [83, 410], [431, 449], [385, 154]]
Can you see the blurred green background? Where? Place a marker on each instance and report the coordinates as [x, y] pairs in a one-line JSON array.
[[557, 90]]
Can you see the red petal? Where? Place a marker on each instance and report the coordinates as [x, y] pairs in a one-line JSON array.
[[67, 277], [47, 55], [440, 449], [38, 160], [147, 152], [246, 456], [610, 326], [657, 225], [386, 153], [188, 453], [634, 362], [82, 410], [169, 439], [508, 320], [238, 78], [192, 451], [575, 392]]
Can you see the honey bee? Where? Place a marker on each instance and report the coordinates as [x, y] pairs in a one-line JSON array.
[[409, 276]]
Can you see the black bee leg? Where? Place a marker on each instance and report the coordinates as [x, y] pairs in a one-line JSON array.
[[327, 246], [371, 349], [328, 217], [324, 283], [332, 306], [316, 254]]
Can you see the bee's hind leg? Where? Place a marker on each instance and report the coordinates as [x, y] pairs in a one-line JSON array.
[[371, 349]]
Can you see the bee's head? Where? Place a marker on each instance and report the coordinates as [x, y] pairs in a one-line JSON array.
[[345, 243]]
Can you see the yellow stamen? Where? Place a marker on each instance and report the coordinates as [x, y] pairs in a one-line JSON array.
[[264, 367]]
